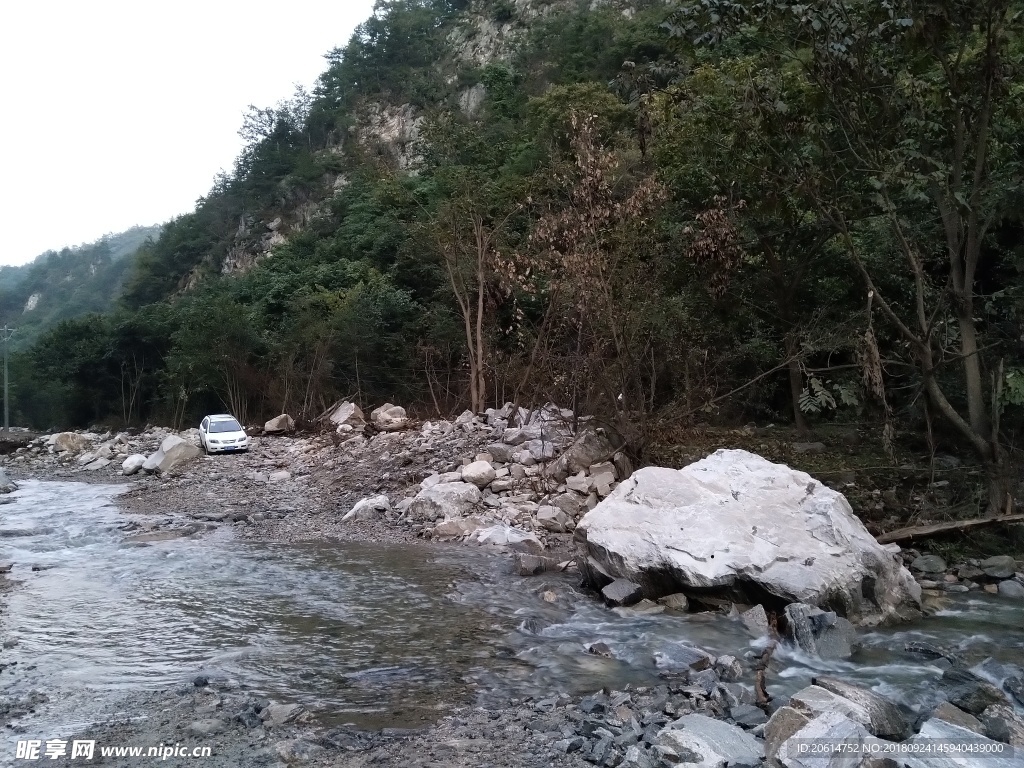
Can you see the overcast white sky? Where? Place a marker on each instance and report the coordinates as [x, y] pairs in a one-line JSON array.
[[121, 112]]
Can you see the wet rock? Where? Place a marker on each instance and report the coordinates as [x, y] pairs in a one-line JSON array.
[[533, 565], [173, 453], [279, 425], [729, 668], [280, 714], [714, 741], [1011, 589], [999, 567], [1015, 686], [132, 464], [600, 649], [681, 656], [622, 592], [368, 509], [928, 564], [956, 716], [479, 473], [1001, 723], [445, 500], [969, 692], [775, 527], [748, 716], [818, 632], [884, 719], [6, 484], [756, 621], [6, 566], [676, 601]]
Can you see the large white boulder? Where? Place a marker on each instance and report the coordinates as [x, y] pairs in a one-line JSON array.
[[756, 531], [348, 415], [368, 509], [445, 500], [173, 452], [479, 473]]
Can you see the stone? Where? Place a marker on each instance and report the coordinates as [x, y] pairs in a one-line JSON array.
[[570, 503], [279, 425], [715, 741], [279, 476], [367, 509], [458, 527], [956, 716], [748, 716], [587, 449], [1001, 723], [554, 519], [6, 566], [6, 484], [173, 452], [506, 536], [501, 452], [928, 564], [389, 418], [533, 565], [348, 414], [636, 758], [578, 482], [820, 633], [1011, 589], [280, 714], [681, 656], [935, 730], [479, 473], [206, 727], [969, 692], [69, 442], [676, 602], [884, 719], [831, 728], [132, 464], [540, 450], [756, 621], [729, 668], [622, 592], [92, 466], [775, 530], [445, 500], [999, 567], [783, 723]]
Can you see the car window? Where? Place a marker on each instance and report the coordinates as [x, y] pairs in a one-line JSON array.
[[225, 426], [204, 424]]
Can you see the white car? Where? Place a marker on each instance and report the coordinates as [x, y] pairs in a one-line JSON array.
[[221, 433]]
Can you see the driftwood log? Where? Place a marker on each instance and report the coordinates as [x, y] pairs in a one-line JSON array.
[[924, 531]]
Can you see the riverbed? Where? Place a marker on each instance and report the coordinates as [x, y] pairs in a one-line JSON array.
[[369, 634]]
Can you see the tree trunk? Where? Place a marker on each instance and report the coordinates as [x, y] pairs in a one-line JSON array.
[[977, 411], [796, 385]]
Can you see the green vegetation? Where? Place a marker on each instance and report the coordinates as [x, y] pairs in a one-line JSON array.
[[704, 212]]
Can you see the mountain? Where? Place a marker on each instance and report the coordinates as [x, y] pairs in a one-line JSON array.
[[59, 285]]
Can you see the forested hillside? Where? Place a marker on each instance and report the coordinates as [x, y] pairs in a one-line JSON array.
[[70, 283], [657, 213]]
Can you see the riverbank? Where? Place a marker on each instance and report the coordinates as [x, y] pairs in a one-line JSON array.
[[290, 490]]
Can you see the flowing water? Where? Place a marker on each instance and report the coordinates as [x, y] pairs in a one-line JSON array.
[[375, 635]]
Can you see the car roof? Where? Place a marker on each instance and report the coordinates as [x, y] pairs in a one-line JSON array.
[[222, 417]]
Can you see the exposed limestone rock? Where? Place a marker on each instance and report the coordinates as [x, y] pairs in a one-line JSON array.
[[279, 424], [737, 523]]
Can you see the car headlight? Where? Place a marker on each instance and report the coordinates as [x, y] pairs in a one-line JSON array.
[[215, 442]]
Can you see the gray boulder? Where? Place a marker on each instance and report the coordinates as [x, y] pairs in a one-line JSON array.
[[279, 424], [999, 567], [588, 448], [132, 464], [554, 519], [512, 538], [969, 692], [884, 719], [774, 530], [445, 500], [368, 509], [931, 564], [1011, 589], [820, 633], [622, 592], [174, 452], [479, 473], [389, 418], [348, 415], [69, 442], [6, 484], [934, 731], [713, 742], [834, 729]]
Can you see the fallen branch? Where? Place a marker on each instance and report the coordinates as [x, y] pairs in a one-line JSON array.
[[923, 531]]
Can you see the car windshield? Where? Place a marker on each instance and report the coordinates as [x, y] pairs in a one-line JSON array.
[[225, 426]]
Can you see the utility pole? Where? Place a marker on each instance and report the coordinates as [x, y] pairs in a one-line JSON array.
[[5, 334]]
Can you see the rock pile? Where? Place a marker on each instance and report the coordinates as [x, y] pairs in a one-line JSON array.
[[998, 575]]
